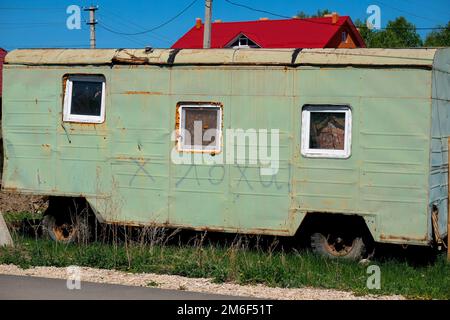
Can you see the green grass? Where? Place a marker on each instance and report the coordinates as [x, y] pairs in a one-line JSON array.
[[238, 264], [19, 217]]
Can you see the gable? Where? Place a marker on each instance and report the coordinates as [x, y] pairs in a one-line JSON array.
[[344, 39], [287, 33], [242, 41]]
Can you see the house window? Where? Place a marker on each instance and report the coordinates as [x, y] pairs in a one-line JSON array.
[[84, 99], [326, 131], [200, 127], [344, 36], [242, 42]]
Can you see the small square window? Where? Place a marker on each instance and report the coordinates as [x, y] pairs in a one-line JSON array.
[[84, 99], [200, 127], [326, 131]]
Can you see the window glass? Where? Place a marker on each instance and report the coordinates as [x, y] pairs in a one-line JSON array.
[[204, 118], [86, 98], [200, 127], [243, 42], [327, 130]]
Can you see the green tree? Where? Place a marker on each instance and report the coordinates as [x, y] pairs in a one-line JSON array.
[[439, 38], [321, 13], [302, 15], [399, 33], [365, 32], [318, 14]]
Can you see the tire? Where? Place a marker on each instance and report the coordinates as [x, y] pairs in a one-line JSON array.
[[67, 231], [354, 249], [68, 220]]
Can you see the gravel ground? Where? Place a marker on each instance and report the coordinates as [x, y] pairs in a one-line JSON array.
[[191, 284]]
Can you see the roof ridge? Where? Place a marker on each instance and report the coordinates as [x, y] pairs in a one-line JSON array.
[[277, 20]]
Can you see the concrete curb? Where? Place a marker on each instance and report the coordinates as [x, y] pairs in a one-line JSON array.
[[5, 236]]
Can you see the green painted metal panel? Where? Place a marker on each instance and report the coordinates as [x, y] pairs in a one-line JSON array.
[[440, 131], [386, 174], [123, 166]]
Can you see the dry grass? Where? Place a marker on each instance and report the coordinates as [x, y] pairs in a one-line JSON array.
[[240, 259]]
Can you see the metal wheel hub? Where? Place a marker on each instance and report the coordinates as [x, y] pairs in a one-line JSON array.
[[337, 246], [63, 232]]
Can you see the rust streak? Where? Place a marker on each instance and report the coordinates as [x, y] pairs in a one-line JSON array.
[[135, 60], [389, 237], [150, 93]]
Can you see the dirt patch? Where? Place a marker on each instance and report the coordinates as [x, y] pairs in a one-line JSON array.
[[17, 202]]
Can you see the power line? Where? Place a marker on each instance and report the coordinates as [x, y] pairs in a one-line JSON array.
[[122, 19], [407, 12], [141, 44], [416, 28], [38, 46], [310, 20], [132, 23], [30, 23], [429, 6], [257, 10], [33, 8], [128, 25], [16, 27], [156, 27]]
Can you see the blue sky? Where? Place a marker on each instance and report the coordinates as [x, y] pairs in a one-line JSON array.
[[28, 23]]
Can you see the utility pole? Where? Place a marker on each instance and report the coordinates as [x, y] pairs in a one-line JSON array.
[[207, 30], [92, 22]]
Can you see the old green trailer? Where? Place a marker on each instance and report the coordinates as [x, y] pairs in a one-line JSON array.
[[344, 142]]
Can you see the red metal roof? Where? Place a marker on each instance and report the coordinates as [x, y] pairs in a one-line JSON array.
[[2, 58], [288, 33]]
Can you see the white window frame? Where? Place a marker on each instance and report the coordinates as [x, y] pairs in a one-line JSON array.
[[67, 115], [239, 38], [217, 148], [306, 126]]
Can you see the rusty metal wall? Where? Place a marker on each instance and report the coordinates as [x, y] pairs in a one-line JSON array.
[[123, 166]]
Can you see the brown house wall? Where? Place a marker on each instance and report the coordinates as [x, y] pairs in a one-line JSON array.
[[336, 41]]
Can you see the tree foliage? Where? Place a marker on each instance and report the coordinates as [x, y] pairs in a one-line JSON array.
[[318, 14], [439, 38], [399, 33]]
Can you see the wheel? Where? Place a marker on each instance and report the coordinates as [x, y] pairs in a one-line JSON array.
[[68, 220], [332, 246], [59, 231], [67, 230]]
